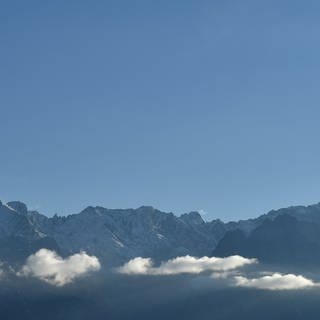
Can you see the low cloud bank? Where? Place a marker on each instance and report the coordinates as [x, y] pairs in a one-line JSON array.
[[276, 281], [46, 265], [186, 264], [225, 269]]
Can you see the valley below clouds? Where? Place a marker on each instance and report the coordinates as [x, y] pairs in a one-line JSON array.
[[51, 287]]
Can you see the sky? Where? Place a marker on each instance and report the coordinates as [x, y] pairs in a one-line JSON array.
[[181, 105]]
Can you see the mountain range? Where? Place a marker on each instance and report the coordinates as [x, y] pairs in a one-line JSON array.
[[289, 235]]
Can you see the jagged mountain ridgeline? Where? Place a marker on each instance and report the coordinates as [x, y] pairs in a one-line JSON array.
[[290, 235]]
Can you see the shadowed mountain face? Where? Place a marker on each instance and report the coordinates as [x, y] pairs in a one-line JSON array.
[[115, 236], [18, 236], [283, 240]]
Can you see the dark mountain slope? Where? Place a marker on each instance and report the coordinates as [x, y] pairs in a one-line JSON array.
[[283, 240]]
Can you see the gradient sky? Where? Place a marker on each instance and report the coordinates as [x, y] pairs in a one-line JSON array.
[[182, 105]]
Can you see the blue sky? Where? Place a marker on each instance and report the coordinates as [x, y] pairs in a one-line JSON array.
[[183, 105]]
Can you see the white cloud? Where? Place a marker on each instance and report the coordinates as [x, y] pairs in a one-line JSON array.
[[276, 281], [186, 264], [225, 269], [46, 265], [137, 266]]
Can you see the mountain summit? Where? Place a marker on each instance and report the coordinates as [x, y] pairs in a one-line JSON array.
[[116, 235]]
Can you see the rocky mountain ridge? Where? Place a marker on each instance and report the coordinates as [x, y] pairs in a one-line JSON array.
[[116, 235]]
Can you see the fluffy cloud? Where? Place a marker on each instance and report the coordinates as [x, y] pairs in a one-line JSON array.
[[137, 266], [222, 269], [276, 281], [48, 266], [186, 264]]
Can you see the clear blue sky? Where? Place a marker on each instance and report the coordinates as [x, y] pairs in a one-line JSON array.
[[183, 105]]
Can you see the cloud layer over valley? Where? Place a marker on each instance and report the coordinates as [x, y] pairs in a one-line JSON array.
[[233, 271], [225, 269]]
